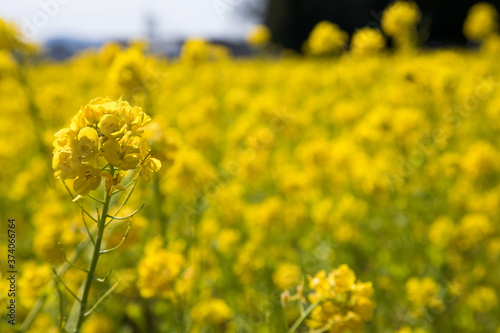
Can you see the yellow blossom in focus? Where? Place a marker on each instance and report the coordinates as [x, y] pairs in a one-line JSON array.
[[122, 157], [88, 179], [112, 126], [103, 130]]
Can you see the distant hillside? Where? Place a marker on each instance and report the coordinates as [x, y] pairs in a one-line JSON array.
[[64, 48]]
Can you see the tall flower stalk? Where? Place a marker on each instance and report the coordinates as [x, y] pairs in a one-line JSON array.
[[104, 141], [101, 225]]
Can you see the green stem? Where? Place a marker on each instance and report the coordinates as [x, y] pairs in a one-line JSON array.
[[159, 200], [41, 300], [302, 317], [31, 316], [95, 258]]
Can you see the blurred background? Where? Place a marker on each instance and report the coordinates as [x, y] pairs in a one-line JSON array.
[[65, 27]]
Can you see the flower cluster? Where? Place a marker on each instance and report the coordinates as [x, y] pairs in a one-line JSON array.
[[287, 276], [103, 133], [343, 303], [326, 39], [483, 299], [9, 35], [259, 36], [11, 39], [481, 21], [159, 272], [210, 311], [197, 51], [35, 278], [131, 73], [366, 41], [339, 303], [399, 21], [400, 17], [423, 293]]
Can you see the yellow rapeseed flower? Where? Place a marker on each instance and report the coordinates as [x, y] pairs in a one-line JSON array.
[[158, 272], [343, 303], [481, 21], [103, 132], [366, 41], [423, 292], [326, 39], [259, 36]]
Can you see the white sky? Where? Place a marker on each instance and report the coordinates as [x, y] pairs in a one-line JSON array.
[[106, 19]]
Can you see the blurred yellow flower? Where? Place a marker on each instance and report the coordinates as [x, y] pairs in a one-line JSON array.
[[158, 272], [423, 292], [98, 324], [259, 36], [211, 311], [366, 41], [481, 21], [482, 299], [287, 276], [34, 282], [326, 39], [342, 303], [399, 21], [400, 17], [442, 231]]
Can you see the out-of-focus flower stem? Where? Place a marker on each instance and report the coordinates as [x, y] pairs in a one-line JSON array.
[[33, 110], [159, 201], [33, 313], [60, 271]]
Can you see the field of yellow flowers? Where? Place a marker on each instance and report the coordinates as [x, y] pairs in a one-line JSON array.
[[341, 191]]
